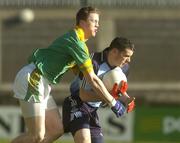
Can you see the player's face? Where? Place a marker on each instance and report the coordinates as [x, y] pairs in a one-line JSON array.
[[90, 26], [123, 57]]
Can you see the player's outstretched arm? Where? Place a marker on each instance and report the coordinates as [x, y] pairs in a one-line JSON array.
[[89, 96], [99, 88]]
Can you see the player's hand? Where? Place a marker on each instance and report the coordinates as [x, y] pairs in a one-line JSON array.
[[119, 109], [131, 105], [119, 90]]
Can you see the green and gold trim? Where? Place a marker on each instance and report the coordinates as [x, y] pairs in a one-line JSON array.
[[33, 86]]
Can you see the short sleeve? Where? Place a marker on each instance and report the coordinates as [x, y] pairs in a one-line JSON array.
[[80, 54]]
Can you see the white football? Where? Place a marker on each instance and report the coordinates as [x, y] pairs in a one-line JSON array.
[[113, 76], [27, 15]]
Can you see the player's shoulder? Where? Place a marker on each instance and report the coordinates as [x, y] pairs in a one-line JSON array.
[[69, 39]]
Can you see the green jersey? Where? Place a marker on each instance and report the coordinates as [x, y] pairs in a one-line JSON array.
[[64, 53]]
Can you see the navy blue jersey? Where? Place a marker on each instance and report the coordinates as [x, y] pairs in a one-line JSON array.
[[101, 66]]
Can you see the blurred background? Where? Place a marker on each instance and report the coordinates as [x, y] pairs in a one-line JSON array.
[[154, 27]]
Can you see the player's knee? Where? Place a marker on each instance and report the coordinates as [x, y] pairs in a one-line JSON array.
[[37, 138], [56, 133], [82, 135], [85, 139]]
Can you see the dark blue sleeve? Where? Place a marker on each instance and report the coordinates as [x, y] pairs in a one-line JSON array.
[[75, 85]]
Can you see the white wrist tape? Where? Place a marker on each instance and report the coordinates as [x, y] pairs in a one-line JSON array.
[[113, 102]]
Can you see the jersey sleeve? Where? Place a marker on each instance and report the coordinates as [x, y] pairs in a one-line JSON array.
[[81, 56]]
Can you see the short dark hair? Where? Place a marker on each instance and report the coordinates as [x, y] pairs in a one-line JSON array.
[[84, 12], [121, 43]]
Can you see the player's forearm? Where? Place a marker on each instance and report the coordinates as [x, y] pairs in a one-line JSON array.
[[100, 89], [89, 96]]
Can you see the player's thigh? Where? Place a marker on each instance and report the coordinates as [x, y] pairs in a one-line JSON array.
[[34, 117], [53, 120], [82, 136]]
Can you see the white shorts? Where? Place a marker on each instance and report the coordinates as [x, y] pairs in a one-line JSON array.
[[37, 109], [30, 85]]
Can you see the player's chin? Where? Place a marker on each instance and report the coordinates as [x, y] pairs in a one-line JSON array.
[[93, 34], [121, 65]]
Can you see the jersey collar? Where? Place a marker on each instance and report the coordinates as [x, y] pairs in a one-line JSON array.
[[80, 33]]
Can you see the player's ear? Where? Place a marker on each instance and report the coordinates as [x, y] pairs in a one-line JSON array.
[[82, 23], [115, 50]]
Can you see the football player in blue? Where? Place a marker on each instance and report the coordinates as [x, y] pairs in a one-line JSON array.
[[80, 109]]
